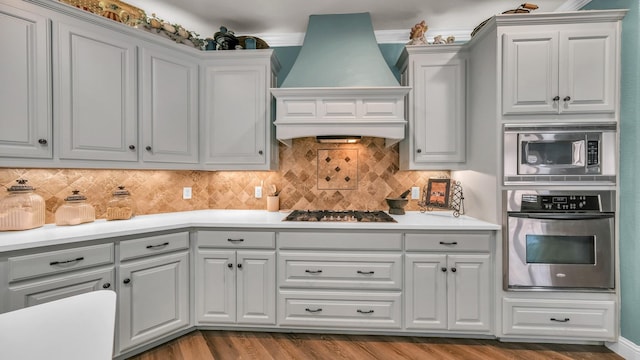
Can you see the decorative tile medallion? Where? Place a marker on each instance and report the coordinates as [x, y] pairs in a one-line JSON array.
[[337, 169]]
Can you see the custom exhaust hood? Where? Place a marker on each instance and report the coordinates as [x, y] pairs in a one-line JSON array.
[[340, 85]]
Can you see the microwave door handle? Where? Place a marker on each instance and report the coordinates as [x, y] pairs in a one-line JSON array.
[[562, 216], [579, 153]]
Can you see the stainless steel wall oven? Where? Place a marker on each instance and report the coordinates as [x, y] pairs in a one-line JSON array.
[[559, 240], [554, 153]]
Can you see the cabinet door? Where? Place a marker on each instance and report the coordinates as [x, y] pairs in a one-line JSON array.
[[169, 94], [154, 298], [530, 73], [469, 292], [96, 84], [216, 287], [235, 115], [25, 119], [256, 287], [426, 291], [439, 119], [41, 291], [588, 69]]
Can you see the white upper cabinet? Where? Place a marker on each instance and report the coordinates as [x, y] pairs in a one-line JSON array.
[[95, 83], [25, 75], [571, 70], [436, 136], [169, 95], [236, 107]]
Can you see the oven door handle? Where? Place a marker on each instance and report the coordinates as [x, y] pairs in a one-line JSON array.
[[562, 216]]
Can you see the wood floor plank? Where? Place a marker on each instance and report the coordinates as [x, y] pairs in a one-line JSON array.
[[194, 346], [238, 345]]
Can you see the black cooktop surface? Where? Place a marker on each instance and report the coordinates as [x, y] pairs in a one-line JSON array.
[[342, 215]]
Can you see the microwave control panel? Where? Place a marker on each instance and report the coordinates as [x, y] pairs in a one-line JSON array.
[[555, 203], [593, 150]]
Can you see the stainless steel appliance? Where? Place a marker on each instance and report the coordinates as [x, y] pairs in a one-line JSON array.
[[340, 215], [559, 240], [560, 152]]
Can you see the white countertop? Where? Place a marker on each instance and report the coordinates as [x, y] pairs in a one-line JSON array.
[[50, 234]]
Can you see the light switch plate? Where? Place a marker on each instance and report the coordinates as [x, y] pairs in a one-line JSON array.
[[186, 193], [258, 192], [415, 193]]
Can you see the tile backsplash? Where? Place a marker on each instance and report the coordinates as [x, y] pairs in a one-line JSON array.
[[371, 169]]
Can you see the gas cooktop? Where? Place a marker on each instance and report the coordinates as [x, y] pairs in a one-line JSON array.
[[343, 215]]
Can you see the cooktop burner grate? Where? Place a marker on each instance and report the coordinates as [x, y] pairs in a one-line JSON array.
[[344, 216]]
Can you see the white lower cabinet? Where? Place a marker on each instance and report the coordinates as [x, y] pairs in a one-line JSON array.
[[44, 290], [340, 280], [235, 286], [340, 309], [445, 289], [37, 277], [552, 318], [153, 288]]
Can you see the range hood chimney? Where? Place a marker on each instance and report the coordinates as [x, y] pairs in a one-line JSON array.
[[340, 85]]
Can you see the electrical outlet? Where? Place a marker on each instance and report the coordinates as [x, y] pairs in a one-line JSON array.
[[415, 193], [258, 192], [186, 193]]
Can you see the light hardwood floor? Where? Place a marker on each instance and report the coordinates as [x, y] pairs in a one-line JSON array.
[[227, 345]]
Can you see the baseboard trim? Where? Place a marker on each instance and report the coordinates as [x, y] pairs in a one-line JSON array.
[[625, 348]]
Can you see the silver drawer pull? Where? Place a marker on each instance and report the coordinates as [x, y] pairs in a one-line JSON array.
[[313, 271], [235, 240], [313, 310], [365, 311], [157, 246], [560, 320], [448, 243], [66, 261], [366, 272]]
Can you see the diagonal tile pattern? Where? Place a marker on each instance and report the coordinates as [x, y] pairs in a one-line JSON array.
[[157, 191]]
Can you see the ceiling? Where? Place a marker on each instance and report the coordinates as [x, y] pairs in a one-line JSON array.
[[287, 19]]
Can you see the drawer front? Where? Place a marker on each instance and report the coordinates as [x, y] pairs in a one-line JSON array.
[[41, 291], [54, 262], [153, 245], [560, 318], [340, 270], [448, 241], [340, 241], [237, 239], [340, 309]]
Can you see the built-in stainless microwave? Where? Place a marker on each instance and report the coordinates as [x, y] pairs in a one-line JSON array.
[[550, 153]]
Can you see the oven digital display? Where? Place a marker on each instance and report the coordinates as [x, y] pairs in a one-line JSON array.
[[559, 200]]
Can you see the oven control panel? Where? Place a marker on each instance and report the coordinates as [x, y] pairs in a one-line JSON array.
[[562, 203]]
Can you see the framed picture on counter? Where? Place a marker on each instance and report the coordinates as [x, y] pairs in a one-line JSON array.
[[438, 192]]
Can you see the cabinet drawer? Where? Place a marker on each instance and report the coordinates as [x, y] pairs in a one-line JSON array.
[[153, 245], [340, 241], [448, 241], [53, 262], [559, 318], [40, 291], [340, 270], [340, 309], [237, 239]]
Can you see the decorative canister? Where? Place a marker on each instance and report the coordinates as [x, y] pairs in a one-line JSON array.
[[75, 210], [121, 206], [22, 209]]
